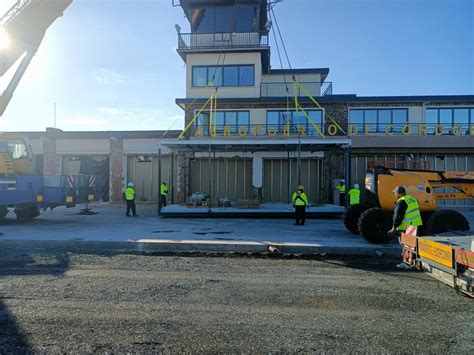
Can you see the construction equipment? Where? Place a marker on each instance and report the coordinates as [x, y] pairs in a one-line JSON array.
[[373, 217], [27, 193], [25, 25], [448, 257]]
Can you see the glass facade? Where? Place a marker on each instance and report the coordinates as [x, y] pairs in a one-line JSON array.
[[377, 120], [231, 119], [459, 118], [225, 19], [281, 121], [228, 75]]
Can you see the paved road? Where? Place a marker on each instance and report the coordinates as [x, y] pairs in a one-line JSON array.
[[111, 225], [53, 299]]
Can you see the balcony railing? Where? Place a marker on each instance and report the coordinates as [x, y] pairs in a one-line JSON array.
[[328, 129], [221, 40], [412, 129], [257, 130], [279, 89]]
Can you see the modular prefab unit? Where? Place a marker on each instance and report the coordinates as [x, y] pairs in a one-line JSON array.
[[222, 177], [142, 170], [280, 178]]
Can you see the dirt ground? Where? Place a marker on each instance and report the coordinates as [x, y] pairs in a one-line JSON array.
[[57, 300]]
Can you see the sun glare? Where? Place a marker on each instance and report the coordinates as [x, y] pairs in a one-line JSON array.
[[4, 40]]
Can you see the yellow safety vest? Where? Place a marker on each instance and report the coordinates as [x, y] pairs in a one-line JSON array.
[[412, 215], [341, 188], [299, 199], [164, 189], [129, 193], [354, 196]]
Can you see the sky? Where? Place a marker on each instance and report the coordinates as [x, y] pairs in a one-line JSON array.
[[112, 64]]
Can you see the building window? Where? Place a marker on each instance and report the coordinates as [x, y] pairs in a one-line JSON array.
[[225, 19], [292, 121], [448, 119], [231, 120], [378, 120], [228, 75]]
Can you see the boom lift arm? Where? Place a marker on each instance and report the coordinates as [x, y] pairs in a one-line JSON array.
[[25, 23]]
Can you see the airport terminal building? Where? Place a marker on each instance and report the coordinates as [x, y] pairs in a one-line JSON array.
[[255, 132]]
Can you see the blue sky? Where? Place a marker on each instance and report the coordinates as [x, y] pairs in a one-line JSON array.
[[112, 64]]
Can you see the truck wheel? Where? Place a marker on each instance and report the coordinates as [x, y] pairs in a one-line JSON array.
[[423, 230], [447, 221], [351, 217], [26, 212], [3, 212], [374, 225]]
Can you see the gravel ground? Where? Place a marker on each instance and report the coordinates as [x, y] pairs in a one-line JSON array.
[[55, 300]]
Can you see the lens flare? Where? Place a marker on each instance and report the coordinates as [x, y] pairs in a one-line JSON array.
[[4, 39]]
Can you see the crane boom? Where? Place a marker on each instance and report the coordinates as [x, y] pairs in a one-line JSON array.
[[25, 23]]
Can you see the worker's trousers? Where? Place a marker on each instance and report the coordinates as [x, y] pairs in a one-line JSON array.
[[342, 199], [163, 200], [300, 214], [131, 206]]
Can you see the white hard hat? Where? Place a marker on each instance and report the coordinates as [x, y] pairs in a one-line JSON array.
[[130, 184], [356, 186]]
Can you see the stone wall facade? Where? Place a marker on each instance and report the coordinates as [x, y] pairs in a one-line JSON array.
[[117, 169]]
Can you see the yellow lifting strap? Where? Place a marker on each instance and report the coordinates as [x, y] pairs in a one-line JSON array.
[[297, 105], [302, 87], [196, 116], [211, 126], [215, 112]]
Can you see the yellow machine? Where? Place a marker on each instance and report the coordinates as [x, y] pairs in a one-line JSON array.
[[16, 156], [373, 217]]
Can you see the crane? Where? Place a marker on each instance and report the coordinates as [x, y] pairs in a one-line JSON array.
[[25, 25]]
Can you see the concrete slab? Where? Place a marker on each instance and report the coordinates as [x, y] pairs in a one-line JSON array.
[[149, 232], [265, 210]]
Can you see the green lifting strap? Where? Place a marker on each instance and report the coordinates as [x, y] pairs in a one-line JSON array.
[[194, 118], [297, 105], [302, 87]]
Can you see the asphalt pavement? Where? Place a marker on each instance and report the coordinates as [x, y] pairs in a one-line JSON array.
[[150, 232], [57, 299]]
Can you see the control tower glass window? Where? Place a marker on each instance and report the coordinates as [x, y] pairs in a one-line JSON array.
[[225, 19]]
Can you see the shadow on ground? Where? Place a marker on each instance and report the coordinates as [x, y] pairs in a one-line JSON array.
[[13, 340]]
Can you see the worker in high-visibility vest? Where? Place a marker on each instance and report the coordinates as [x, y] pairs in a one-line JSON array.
[[130, 199], [342, 192], [300, 203], [354, 195], [406, 213], [163, 193]]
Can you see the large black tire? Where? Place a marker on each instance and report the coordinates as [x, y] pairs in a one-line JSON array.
[[3, 212], [423, 230], [26, 212], [351, 217], [374, 225], [447, 221]]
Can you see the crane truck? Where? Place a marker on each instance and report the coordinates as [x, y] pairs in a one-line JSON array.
[[25, 25]]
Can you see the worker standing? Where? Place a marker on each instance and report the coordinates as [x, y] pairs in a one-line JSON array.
[[342, 192], [354, 195], [130, 198], [163, 193], [300, 203], [406, 213]]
